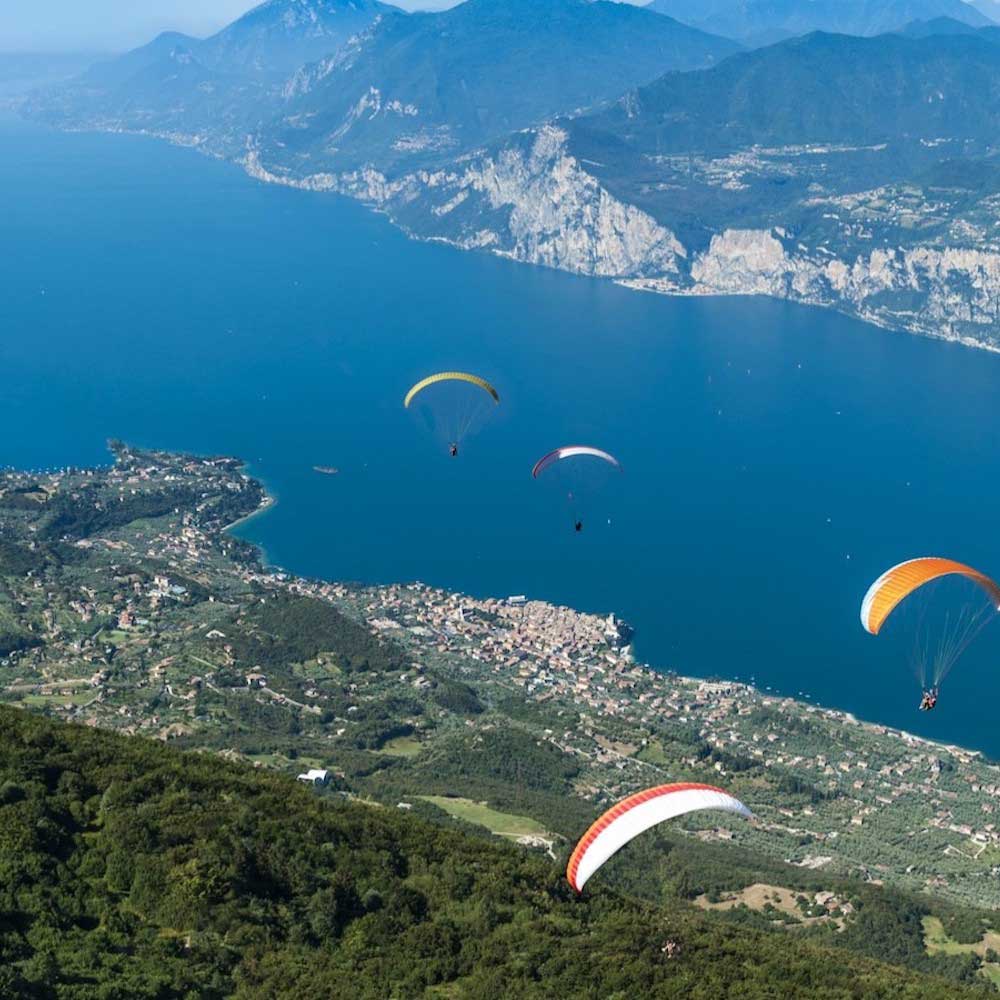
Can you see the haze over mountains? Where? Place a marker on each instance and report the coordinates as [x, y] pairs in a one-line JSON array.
[[406, 84], [270, 41], [823, 88], [440, 82], [851, 170], [277, 37], [762, 22]]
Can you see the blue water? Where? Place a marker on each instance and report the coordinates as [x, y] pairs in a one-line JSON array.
[[777, 458]]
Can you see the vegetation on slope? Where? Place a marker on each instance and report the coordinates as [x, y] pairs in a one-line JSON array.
[[129, 869]]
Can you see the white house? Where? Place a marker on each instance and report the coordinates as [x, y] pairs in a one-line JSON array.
[[315, 777]]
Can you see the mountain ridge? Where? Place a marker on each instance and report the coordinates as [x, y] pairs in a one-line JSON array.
[[763, 22], [406, 89], [825, 87], [278, 36], [815, 169], [420, 85]]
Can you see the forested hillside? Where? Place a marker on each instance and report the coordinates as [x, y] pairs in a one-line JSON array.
[[130, 869]]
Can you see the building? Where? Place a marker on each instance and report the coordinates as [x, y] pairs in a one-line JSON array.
[[314, 776]]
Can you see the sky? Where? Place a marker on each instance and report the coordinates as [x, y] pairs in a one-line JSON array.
[[111, 25]]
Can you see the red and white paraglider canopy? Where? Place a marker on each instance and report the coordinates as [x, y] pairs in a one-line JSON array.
[[637, 814], [573, 451]]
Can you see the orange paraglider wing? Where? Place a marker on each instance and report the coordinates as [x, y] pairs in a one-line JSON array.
[[894, 586]]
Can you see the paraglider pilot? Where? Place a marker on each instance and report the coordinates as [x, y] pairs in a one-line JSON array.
[[579, 525], [929, 700], [453, 450]]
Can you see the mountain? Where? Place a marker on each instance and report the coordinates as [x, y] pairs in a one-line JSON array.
[[762, 22], [857, 173], [163, 88], [279, 36], [939, 26], [109, 74], [820, 89], [271, 41], [948, 26], [407, 89], [848, 171], [430, 83], [212, 92]]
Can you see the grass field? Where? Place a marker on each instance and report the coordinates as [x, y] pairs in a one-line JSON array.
[[402, 746], [760, 895], [503, 824], [41, 700], [653, 753], [937, 942], [281, 762]]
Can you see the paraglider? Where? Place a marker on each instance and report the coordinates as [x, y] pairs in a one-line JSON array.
[[453, 405], [426, 383], [572, 451], [635, 815], [941, 604], [580, 470]]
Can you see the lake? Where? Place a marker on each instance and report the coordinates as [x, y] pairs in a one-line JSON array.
[[777, 458]]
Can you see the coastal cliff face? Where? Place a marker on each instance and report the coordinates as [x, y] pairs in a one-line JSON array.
[[949, 292], [533, 201]]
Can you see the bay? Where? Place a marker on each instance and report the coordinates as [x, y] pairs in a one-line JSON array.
[[777, 458]]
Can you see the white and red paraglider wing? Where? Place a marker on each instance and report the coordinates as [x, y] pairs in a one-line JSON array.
[[638, 813]]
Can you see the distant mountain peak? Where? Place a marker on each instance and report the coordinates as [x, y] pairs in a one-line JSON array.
[[294, 15], [448, 80], [757, 22], [937, 26], [279, 36]]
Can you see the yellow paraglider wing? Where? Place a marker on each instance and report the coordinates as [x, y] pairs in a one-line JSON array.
[[893, 587], [450, 377]]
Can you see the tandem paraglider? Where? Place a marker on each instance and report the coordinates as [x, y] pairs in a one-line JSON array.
[[937, 607]]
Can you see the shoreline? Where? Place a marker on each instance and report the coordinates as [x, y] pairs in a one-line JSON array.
[[328, 183], [270, 500], [841, 715], [268, 503]]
